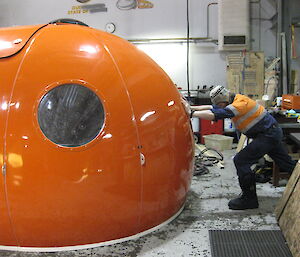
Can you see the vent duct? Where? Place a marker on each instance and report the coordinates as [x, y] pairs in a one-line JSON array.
[[234, 25]]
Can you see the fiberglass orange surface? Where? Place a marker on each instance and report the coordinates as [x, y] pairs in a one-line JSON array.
[[131, 176]]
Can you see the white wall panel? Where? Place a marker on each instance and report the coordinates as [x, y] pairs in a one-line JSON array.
[[167, 19]]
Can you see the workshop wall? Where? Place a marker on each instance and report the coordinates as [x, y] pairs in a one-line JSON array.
[[162, 18], [148, 19], [262, 28], [291, 12]]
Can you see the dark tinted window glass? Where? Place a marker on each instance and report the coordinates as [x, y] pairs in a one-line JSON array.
[[71, 115], [234, 40]]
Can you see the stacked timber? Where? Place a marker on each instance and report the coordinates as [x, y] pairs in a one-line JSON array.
[[288, 212]]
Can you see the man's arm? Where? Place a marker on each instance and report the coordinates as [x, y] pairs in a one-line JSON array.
[[206, 115], [201, 111], [201, 107]]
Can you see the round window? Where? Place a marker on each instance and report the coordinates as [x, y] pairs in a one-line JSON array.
[[70, 115]]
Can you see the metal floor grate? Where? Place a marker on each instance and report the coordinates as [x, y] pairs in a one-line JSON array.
[[244, 243]]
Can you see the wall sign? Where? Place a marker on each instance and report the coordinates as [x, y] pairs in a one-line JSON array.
[[133, 4], [123, 5], [77, 9], [88, 8]]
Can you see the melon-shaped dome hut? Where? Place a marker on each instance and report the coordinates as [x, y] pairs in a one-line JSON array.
[[96, 147]]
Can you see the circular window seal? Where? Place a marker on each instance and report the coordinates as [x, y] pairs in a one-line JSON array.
[[70, 115]]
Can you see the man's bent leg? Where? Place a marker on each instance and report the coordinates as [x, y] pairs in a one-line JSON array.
[[243, 162], [248, 198]]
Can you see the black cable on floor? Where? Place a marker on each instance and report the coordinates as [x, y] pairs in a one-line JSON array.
[[203, 161]]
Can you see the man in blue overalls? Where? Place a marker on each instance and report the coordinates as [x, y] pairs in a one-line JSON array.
[[255, 122]]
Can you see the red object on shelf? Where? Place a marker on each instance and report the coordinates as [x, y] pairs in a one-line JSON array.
[[290, 102], [208, 127]]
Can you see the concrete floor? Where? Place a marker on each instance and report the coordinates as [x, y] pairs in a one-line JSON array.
[[206, 209]]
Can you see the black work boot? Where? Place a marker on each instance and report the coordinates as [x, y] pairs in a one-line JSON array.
[[248, 198]]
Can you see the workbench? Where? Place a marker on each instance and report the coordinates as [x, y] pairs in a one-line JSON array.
[[295, 137], [277, 174]]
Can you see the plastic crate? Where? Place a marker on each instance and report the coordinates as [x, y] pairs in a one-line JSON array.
[[218, 142]]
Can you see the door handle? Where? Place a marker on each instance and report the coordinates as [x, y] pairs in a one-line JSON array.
[[143, 159], [4, 169]]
